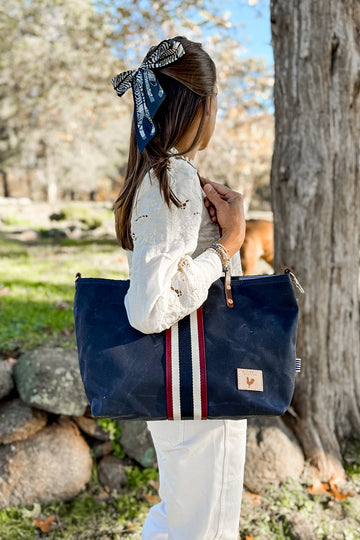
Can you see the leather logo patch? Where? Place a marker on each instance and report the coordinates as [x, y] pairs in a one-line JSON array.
[[250, 379]]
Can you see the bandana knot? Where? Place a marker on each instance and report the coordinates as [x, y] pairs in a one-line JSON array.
[[147, 92]]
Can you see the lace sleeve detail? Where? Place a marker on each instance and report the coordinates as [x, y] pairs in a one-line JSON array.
[[166, 283]]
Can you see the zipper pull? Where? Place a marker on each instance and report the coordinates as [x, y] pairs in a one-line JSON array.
[[294, 279]]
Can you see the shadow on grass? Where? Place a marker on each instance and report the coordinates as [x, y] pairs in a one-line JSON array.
[[104, 240], [9, 240], [59, 288]]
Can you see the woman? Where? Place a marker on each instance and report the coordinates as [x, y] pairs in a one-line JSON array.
[[169, 222]]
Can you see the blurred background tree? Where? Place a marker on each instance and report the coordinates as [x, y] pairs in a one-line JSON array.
[[244, 127], [315, 185], [55, 63], [62, 128]]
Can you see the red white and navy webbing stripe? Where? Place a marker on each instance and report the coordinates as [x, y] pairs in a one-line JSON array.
[[186, 389]]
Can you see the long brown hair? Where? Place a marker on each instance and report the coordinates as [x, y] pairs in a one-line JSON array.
[[187, 83]]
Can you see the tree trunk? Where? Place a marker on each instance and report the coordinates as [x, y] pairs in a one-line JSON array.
[[315, 183], [52, 188], [5, 183]]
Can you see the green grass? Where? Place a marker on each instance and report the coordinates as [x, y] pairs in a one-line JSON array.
[[89, 219], [92, 515], [114, 431], [96, 515], [271, 516], [36, 287], [14, 219], [352, 460], [36, 279]]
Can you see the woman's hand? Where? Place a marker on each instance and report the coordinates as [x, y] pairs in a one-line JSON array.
[[226, 208]]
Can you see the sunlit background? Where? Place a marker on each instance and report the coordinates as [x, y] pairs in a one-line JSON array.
[[64, 133]]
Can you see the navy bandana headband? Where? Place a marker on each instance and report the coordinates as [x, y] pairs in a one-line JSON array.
[[147, 92]]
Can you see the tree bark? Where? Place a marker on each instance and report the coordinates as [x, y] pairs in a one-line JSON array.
[[5, 183], [315, 183]]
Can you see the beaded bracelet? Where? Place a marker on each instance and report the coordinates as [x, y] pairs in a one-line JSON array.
[[223, 253]]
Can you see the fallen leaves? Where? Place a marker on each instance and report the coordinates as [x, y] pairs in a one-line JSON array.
[[4, 291], [46, 328], [255, 499], [102, 495], [67, 331], [126, 530], [44, 525], [329, 488], [153, 499]]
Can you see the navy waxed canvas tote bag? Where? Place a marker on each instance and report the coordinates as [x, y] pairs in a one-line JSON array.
[[218, 362]]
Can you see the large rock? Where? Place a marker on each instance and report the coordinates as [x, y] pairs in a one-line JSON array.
[[300, 527], [53, 465], [91, 427], [273, 454], [18, 421], [137, 442], [6, 380], [50, 379], [112, 473]]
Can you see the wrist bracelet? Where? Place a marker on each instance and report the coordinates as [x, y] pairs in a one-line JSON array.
[[223, 253]]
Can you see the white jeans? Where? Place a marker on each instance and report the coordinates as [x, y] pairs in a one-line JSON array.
[[201, 467]]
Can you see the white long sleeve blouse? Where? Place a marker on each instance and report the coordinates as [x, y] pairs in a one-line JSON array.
[[170, 269]]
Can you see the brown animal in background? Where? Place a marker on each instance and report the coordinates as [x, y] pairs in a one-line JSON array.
[[258, 244]]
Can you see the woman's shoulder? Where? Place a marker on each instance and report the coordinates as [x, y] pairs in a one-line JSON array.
[[183, 177], [180, 163], [183, 181]]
